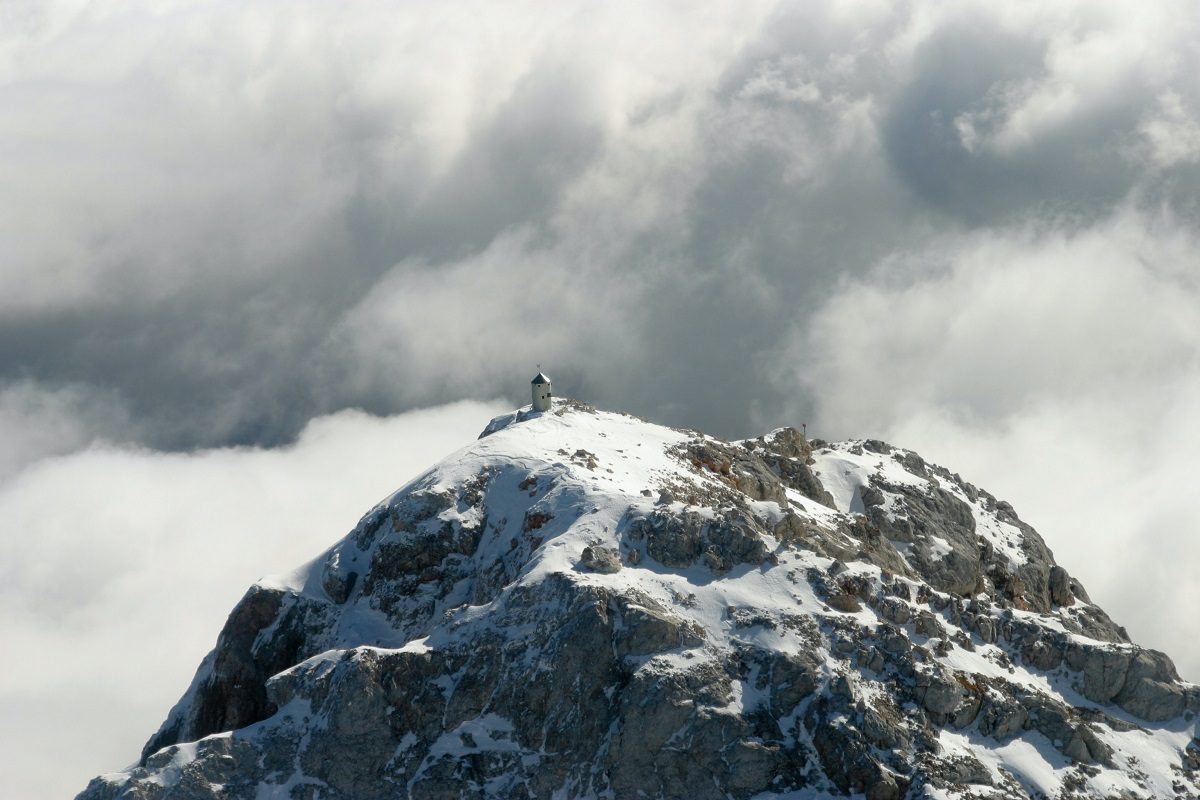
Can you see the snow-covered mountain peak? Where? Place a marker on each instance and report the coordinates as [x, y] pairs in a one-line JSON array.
[[585, 604]]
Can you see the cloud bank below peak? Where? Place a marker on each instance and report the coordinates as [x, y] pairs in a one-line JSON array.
[[120, 564]]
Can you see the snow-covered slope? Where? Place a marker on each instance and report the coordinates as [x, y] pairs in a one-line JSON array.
[[583, 604]]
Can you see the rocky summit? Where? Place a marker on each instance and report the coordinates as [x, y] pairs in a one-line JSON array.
[[585, 605]]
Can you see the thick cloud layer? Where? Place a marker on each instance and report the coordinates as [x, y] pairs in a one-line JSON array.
[[229, 219], [118, 568], [968, 228]]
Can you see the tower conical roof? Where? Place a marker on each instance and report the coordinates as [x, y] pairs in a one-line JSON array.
[[540, 378]]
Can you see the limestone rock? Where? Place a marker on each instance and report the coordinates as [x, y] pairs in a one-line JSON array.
[[586, 605]]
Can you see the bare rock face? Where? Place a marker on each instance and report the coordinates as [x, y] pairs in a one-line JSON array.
[[584, 605], [680, 540], [230, 690]]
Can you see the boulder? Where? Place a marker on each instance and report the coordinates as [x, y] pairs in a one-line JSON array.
[[939, 691], [600, 559]]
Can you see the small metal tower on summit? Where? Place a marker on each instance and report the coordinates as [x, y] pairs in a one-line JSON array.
[[540, 385]]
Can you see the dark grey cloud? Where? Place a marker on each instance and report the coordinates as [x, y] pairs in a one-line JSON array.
[[208, 211]]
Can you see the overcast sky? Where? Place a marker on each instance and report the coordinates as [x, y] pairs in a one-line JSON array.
[[227, 231]]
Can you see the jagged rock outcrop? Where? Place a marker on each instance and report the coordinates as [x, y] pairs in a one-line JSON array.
[[584, 605]]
